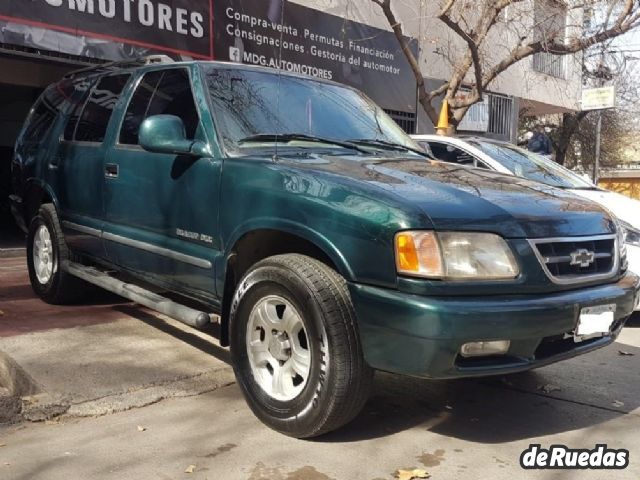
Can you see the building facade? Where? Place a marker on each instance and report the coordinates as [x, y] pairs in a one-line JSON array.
[[348, 41]]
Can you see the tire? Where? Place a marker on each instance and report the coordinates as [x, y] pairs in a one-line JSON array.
[[54, 285], [337, 381]]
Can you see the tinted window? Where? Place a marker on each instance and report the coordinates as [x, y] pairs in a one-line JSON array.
[[137, 109], [44, 115], [451, 154], [166, 92], [97, 111], [75, 93]]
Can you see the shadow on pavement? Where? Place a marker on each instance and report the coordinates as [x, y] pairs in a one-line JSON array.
[[580, 394], [192, 339]]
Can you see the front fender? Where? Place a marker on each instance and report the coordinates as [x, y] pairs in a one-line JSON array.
[[294, 228]]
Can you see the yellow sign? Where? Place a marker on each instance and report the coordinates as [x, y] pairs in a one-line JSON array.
[[598, 98]]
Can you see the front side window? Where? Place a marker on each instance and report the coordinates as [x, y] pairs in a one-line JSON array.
[[163, 92], [256, 104], [96, 114]]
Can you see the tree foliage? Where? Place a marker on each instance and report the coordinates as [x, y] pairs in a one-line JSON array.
[[476, 61]]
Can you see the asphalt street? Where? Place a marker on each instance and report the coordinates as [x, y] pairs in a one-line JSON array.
[[139, 396]]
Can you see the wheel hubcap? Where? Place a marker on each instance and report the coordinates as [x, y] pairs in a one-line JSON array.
[[278, 348], [43, 254]]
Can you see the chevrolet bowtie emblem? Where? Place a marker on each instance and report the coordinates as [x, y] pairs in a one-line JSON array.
[[582, 257]]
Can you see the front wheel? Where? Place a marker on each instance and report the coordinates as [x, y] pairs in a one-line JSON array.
[[295, 346]]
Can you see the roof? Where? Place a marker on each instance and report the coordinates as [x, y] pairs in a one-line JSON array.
[[155, 60]]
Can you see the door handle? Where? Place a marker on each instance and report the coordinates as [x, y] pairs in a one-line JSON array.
[[111, 170]]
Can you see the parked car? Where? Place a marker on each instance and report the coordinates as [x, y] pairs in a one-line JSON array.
[[507, 158], [297, 214]]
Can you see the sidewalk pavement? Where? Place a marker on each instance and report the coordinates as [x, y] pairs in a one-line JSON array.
[[101, 356]]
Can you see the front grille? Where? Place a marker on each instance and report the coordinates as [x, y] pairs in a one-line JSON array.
[[577, 259]]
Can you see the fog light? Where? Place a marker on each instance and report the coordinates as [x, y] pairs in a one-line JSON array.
[[478, 349]]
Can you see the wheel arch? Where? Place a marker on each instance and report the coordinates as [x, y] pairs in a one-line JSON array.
[[36, 193], [260, 240]]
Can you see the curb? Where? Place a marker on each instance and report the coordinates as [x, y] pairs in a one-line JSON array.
[[13, 252], [44, 407], [14, 384]]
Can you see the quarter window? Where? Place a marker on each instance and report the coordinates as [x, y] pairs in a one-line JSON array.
[[166, 92], [44, 115], [92, 126]]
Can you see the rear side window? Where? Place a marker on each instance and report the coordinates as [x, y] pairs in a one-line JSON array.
[[451, 154], [166, 92], [76, 93], [50, 103], [96, 114]]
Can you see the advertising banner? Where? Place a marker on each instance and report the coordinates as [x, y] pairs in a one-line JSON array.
[[271, 33], [181, 27], [312, 42]]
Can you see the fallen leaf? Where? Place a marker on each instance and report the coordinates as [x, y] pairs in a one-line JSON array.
[[548, 388], [617, 403], [190, 469], [411, 474], [626, 354], [3, 445], [141, 428]]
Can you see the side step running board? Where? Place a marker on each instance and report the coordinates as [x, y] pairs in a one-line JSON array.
[[182, 313]]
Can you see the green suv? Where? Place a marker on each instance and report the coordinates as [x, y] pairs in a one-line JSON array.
[[296, 214]]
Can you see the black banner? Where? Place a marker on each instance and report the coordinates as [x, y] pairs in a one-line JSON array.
[[315, 43], [181, 27], [260, 32]]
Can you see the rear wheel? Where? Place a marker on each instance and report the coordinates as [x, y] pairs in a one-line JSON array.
[[295, 346], [46, 252]]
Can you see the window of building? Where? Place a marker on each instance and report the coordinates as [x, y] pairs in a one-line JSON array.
[[550, 23], [96, 114], [166, 92]]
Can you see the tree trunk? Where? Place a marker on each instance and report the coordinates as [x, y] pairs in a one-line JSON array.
[[562, 140]]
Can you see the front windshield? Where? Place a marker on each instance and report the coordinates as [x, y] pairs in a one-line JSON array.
[[532, 166], [246, 103]]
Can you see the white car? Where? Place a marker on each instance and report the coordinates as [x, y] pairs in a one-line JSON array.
[[507, 158]]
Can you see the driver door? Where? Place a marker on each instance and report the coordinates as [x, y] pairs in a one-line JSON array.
[[162, 210]]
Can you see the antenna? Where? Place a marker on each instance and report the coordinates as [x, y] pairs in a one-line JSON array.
[[275, 155]]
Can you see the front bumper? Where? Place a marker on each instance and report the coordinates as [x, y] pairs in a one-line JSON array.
[[422, 336], [633, 257]]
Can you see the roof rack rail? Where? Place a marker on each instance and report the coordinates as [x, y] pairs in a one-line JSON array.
[[105, 67]]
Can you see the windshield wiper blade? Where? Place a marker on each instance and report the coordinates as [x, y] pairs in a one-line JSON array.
[[388, 146], [287, 137]]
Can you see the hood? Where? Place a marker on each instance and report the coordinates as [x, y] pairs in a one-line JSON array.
[[625, 208], [462, 198]]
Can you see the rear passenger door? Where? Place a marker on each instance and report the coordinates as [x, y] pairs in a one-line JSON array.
[[80, 160], [161, 209]]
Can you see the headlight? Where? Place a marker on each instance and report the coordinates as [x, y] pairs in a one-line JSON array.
[[454, 256], [631, 234]]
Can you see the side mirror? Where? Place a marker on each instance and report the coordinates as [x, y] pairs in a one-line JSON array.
[[166, 134]]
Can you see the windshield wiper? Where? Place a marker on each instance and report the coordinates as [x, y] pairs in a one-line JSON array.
[[386, 145], [288, 137]]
